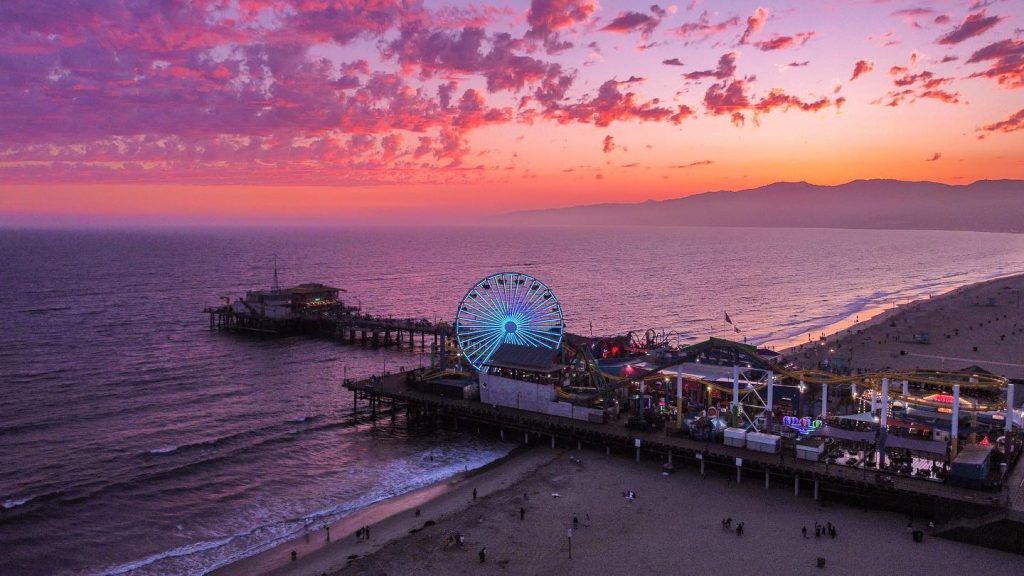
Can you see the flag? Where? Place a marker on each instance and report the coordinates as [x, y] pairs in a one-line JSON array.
[[727, 319]]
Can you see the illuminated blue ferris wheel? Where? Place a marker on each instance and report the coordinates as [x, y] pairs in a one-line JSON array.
[[507, 307]]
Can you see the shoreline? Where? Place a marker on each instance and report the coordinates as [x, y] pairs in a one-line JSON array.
[[389, 520], [872, 315], [976, 325]]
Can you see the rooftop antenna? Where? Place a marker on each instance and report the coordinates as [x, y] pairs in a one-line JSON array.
[[276, 287]]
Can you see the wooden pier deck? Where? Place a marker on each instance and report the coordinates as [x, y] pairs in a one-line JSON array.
[[396, 392], [355, 329]]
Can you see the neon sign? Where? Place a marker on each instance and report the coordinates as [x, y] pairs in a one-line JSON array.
[[802, 425]]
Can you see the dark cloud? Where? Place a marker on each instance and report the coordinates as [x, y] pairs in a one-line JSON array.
[[637, 22], [726, 68], [974, 25], [694, 164]]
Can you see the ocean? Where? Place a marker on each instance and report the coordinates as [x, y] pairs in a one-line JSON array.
[[134, 440]]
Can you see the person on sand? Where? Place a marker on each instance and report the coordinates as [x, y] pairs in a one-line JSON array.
[[417, 512], [328, 533], [483, 554], [522, 513], [804, 531], [474, 493], [294, 555], [575, 522], [366, 532]]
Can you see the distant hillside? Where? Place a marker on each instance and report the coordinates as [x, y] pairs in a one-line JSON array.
[[986, 205]]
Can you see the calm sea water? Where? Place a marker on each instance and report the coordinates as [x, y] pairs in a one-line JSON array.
[[135, 441]]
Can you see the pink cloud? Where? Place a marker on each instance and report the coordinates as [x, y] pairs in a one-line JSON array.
[[912, 87], [973, 25], [861, 68], [703, 28], [912, 15], [547, 17], [609, 144], [612, 105], [754, 23], [777, 42], [1007, 62], [1011, 124]]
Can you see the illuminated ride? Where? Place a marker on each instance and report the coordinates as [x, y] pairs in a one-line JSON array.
[[507, 308]]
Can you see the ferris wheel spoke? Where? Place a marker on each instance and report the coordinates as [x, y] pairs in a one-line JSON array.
[[492, 302], [546, 339], [485, 312]]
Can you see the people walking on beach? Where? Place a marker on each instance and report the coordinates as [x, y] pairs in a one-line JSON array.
[[739, 529], [522, 513], [294, 555], [575, 522], [328, 533], [483, 554], [474, 494], [804, 531], [359, 534]]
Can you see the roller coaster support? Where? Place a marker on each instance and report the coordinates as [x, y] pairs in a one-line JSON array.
[[824, 400], [735, 395], [640, 410], [679, 400], [1009, 409], [954, 432], [883, 423], [771, 402]]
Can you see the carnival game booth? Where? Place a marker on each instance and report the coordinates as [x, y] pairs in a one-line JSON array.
[[761, 442], [971, 467], [736, 437], [810, 448]]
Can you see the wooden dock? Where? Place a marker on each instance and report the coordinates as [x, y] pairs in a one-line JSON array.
[[345, 327], [396, 392]]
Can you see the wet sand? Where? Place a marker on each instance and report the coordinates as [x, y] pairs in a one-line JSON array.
[[673, 527], [978, 324], [388, 520]]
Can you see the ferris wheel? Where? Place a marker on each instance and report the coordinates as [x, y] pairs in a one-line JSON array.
[[507, 307]]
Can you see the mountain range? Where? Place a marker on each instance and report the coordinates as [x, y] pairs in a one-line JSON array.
[[985, 205]]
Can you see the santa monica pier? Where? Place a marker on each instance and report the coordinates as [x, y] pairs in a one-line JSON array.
[[944, 444]]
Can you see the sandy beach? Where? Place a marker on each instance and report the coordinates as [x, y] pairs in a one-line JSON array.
[[975, 325], [674, 525]]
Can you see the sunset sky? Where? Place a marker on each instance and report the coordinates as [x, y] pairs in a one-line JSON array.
[[336, 110]]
